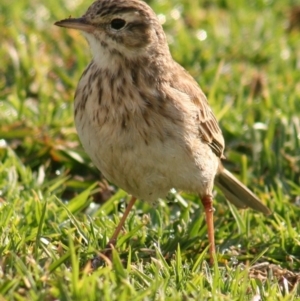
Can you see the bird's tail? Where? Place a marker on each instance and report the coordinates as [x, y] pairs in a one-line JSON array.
[[237, 193]]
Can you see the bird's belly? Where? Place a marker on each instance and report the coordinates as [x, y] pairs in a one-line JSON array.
[[149, 168]]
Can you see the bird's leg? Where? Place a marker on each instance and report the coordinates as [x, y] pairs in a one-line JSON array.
[[207, 202], [113, 239], [98, 259]]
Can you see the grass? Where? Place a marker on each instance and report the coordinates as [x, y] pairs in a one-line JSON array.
[[56, 211]]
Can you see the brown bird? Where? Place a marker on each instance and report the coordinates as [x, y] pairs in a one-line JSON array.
[[142, 119]]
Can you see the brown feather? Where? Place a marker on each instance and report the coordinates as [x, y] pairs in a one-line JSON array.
[[209, 129]]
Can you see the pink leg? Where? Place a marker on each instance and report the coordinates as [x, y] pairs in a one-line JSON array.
[[106, 255], [207, 202], [113, 239]]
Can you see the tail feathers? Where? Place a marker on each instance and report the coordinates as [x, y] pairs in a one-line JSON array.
[[237, 193]]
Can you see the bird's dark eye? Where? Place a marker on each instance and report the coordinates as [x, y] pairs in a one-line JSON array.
[[117, 24]]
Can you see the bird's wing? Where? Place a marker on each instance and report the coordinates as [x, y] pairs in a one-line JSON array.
[[209, 129]]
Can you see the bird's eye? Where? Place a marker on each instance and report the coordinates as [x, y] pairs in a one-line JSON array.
[[117, 24]]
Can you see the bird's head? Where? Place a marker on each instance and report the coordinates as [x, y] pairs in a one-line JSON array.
[[126, 28]]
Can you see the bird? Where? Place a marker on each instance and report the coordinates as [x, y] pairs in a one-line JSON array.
[[143, 119]]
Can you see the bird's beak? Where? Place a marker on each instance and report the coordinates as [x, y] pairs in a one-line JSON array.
[[76, 23]]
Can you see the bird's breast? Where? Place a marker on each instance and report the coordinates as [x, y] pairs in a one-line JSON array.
[[144, 146]]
